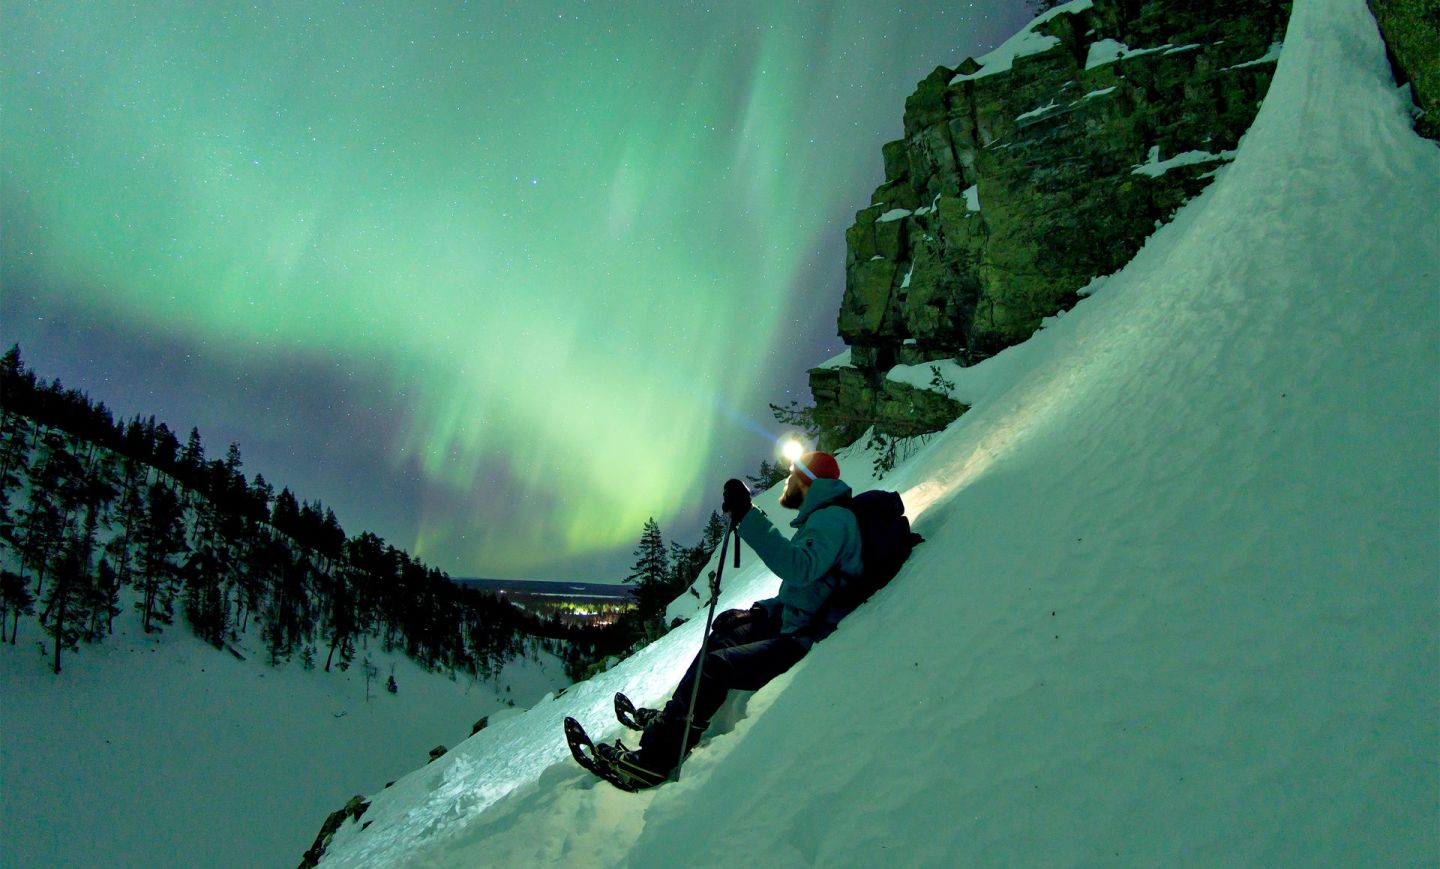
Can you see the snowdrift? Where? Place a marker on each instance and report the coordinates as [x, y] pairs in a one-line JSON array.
[[1179, 598]]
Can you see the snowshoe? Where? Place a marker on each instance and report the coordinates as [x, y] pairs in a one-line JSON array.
[[628, 764], [616, 764], [631, 716]]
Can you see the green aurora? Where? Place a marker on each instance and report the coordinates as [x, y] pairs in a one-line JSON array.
[[567, 241]]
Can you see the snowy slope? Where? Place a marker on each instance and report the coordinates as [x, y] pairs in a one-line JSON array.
[[160, 751], [1179, 598]]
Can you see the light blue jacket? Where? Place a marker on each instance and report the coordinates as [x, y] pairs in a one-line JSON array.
[[826, 543]]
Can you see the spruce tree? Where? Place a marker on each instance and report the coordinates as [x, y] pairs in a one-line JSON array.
[[768, 475], [14, 462], [15, 601], [130, 511], [43, 521], [649, 573], [714, 533], [63, 618], [162, 539], [342, 621], [103, 602], [651, 561]]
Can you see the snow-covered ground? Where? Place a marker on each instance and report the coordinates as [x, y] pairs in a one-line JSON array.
[[1179, 599], [160, 751]]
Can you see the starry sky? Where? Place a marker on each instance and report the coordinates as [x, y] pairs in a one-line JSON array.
[[496, 281]]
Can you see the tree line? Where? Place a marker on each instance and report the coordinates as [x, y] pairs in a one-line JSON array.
[[662, 572], [91, 506]]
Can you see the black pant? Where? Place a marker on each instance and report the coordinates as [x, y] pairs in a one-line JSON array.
[[744, 655]]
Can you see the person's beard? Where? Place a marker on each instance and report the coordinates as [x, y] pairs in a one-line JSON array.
[[793, 496]]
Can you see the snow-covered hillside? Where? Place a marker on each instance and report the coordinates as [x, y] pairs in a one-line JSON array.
[[161, 751], [1179, 599]]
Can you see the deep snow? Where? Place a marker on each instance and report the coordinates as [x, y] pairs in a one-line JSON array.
[[160, 751], [1179, 598], [1178, 602]]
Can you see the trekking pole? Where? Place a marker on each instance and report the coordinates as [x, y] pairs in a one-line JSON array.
[[705, 642]]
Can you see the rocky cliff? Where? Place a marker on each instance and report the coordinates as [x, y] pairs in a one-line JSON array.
[[1412, 37], [1024, 175]]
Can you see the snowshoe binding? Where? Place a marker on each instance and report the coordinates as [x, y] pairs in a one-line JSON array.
[[616, 764]]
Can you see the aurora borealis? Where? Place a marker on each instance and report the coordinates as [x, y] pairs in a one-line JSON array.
[[495, 281]]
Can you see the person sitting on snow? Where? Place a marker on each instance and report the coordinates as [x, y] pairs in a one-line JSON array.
[[748, 648]]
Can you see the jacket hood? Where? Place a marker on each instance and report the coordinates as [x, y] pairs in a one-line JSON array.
[[823, 492]]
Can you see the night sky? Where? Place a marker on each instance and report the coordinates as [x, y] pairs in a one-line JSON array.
[[495, 281]]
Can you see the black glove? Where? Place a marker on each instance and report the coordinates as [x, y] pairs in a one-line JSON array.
[[734, 618], [737, 500], [731, 618]]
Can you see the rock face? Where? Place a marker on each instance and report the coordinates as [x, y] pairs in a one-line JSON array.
[[352, 812], [1022, 178], [1412, 33]]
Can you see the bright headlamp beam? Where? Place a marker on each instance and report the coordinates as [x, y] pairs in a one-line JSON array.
[[793, 449]]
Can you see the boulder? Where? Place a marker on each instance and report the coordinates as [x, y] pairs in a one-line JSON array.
[[351, 812]]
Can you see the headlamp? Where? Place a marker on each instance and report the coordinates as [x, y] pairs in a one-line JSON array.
[[793, 450]]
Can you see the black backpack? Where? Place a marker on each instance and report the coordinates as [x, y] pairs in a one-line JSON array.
[[885, 542]]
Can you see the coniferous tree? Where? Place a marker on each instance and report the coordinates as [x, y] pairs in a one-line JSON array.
[[130, 511], [15, 601], [161, 541], [45, 519], [102, 602], [768, 475], [163, 447], [192, 458], [63, 618], [14, 462], [342, 622], [713, 533], [209, 564], [650, 575], [650, 558], [205, 603], [172, 519], [795, 416], [285, 515]]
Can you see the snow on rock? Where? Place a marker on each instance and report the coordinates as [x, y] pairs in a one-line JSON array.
[[840, 360], [1268, 57], [1037, 112], [1178, 597], [933, 207], [1028, 41], [1155, 167], [893, 214], [1104, 51], [972, 197]]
